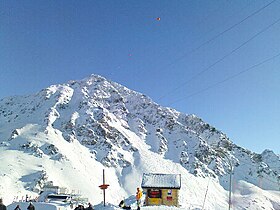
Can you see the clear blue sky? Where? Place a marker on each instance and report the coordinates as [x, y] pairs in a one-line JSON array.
[[51, 42]]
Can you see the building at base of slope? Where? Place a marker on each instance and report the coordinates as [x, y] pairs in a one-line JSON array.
[[161, 189]]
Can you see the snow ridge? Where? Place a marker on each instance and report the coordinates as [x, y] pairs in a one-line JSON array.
[[82, 126]]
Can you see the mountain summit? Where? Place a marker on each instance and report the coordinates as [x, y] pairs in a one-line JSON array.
[[66, 134]]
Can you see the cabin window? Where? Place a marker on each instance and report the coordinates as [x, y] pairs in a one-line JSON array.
[[154, 193]]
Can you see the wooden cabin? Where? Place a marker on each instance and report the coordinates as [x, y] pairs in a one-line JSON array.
[[161, 189]]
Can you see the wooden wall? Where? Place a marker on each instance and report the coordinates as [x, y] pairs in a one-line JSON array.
[[170, 197]]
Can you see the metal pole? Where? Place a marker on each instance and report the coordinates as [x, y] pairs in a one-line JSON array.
[[230, 186], [206, 194], [230, 177]]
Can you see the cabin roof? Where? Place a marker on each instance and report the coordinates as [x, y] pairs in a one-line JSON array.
[[164, 181]]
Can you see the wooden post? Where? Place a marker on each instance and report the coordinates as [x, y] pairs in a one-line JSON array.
[[104, 186]]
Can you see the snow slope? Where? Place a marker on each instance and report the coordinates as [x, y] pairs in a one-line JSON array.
[[67, 134]]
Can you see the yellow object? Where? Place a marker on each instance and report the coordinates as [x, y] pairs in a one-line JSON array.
[[139, 194], [154, 201]]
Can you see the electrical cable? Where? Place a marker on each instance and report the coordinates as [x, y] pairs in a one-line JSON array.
[[215, 27], [215, 37], [226, 79], [226, 19]]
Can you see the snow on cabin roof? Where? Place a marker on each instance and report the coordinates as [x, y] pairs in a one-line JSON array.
[[161, 181]]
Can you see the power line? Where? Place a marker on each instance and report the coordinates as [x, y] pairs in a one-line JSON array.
[[206, 17], [236, 24], [227, 55], [201, 22], [226, 19], [228, 78], [210, 30], [212, 39]]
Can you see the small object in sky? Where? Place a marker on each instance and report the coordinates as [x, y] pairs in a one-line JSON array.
[[158, 19]]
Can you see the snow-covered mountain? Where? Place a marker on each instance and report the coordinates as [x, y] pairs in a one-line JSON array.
[[67, 134]]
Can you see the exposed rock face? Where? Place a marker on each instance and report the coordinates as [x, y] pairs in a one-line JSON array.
[[89, 110]]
